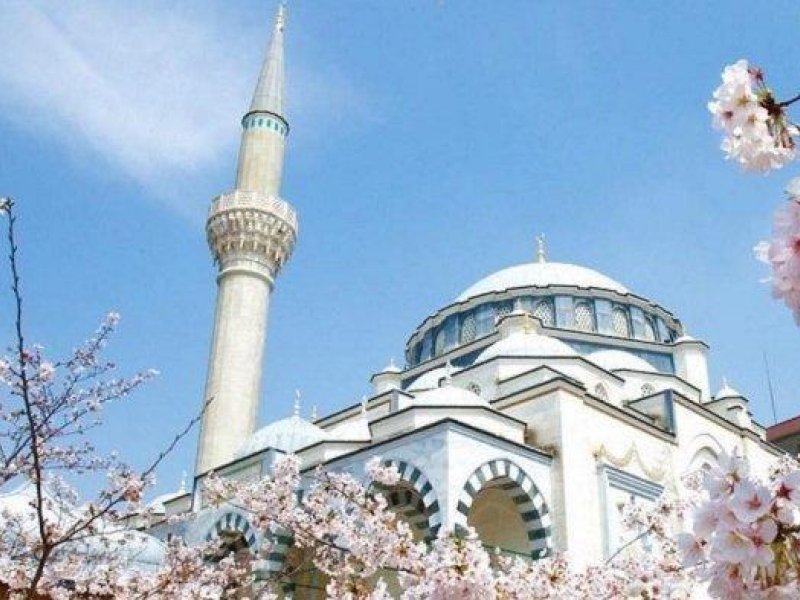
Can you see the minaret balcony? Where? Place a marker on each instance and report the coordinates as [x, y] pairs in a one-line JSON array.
[[251, 227]]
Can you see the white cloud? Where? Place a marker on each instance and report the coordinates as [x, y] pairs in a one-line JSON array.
[[154, 89]]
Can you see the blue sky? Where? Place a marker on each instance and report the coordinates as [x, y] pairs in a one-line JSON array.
[[431, 141]]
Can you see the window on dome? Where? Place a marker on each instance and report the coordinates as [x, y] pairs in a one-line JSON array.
[[648, 389], [619, 320], [649, 329], [450, 332], [584, 317], [524, 303], [427, 346], [545, 312], [601, 392], [603, 313], [503, 308], [484, 319], [637, 322], [474, 388], [438, 344], [468, 328]]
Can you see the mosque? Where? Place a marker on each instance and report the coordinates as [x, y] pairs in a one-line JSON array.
[[529, 407]]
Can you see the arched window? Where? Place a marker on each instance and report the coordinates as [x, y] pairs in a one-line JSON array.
[[649, 329], [474, 388], [601, 392], [438, 344], [545, 312], [648, 389], [620, 323], [468, 329], [584, 317], [503, 308], [484, 319]]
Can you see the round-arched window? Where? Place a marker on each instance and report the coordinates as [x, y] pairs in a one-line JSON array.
[[600, 391], [468, 329], [584, 317], [545, 313], [474, 388], [620, 323], [438, 344], [648, 389], [649, 329]]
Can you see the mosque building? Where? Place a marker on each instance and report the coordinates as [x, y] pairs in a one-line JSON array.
[[529, 407]]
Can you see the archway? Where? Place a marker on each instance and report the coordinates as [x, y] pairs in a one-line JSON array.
[[506, 508]]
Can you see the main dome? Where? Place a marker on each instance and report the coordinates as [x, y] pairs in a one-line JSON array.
[[541, 274]]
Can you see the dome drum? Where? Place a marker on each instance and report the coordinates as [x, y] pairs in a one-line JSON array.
[[603, 314]]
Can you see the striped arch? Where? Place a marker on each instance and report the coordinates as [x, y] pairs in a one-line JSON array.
[[524, 493], [279, 544], [232, 522], [420, 506]]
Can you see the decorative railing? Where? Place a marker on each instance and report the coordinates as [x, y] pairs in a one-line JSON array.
[[246, 199]]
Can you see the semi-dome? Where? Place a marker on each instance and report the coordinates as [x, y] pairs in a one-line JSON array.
[[449, 395], [428, 380], [615, 360], [287, 435], [528, 344], [542, 274]]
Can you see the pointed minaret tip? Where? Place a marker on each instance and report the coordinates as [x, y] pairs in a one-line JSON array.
[[268, 96], [280, 17]]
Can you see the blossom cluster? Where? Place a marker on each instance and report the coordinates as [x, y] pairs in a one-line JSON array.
[[744, 540], [757, 133], [782, 253]]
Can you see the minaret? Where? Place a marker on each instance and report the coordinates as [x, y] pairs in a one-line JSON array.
[[251, 233]]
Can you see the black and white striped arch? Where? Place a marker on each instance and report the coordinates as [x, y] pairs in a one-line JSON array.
[[419, 505], [233, 522], [530, 502]]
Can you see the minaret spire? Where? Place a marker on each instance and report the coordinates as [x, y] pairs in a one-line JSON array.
[[251, 233], [268, 96]]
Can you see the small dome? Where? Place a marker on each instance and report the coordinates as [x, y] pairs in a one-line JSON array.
[[449, 395], [392, 368], [726, 391], [615, 360], [530, 344], [428, 380], [541, 274], [158, 503], [287, 435]]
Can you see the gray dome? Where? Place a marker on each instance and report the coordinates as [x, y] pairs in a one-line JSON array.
[[287, 435]]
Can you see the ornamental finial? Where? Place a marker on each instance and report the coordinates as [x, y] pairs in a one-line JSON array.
[[313, 413], [182, 487], [296, 410], [541, 249]]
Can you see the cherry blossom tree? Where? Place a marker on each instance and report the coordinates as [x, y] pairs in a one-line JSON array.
[[52, 545], [758, 134]]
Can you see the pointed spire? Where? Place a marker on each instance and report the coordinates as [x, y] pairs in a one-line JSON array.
[[269, 90], [182, 488], [296, 410], [541, 250], [313, 413]]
